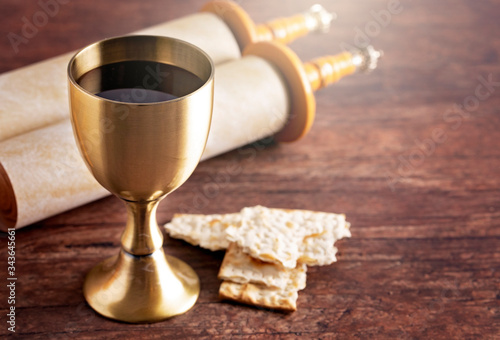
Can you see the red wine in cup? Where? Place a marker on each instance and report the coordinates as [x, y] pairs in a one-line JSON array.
[[140, 81]]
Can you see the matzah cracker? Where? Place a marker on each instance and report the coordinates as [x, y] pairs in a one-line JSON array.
[[318, 249], [206, 231], [239, 267], [319, 231], [276, 235], [267, 297]]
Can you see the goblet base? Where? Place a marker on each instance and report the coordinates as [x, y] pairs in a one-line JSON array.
[[141, 289]]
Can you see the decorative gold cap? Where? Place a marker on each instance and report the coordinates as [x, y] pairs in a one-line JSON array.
[[366, 59], [318, 19]]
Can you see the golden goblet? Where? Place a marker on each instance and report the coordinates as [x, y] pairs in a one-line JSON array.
[[141, 109]]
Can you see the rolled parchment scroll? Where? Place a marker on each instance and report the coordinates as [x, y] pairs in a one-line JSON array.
[[221, 29], [42, 173]]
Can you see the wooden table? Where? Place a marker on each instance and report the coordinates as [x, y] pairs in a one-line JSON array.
[[410, 153]]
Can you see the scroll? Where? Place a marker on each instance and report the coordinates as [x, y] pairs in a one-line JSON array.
[[42, 173], [220, 29]]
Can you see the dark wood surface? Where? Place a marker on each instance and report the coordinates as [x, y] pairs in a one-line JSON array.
[[423, 261]]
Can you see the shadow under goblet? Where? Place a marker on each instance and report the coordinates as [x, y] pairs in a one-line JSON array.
[[141, 108]]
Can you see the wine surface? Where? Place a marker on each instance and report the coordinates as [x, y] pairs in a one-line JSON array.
[[140, 81], [136, 95]]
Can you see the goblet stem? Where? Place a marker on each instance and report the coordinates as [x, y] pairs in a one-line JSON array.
[[142, 236], [141, 283]]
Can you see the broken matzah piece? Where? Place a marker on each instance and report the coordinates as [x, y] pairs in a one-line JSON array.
[[264, 296], [206, 231], [239, 267], [318, 249], [319, 231], [276, 235]]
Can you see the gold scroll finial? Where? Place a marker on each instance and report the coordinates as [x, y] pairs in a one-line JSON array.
[[283, 30], [327, 70]]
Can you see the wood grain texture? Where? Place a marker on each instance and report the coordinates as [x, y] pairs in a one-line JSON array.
[[424, 260]]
